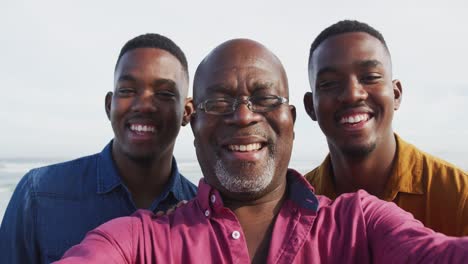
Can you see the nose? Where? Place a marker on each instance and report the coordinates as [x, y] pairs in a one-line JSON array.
[[144, 102], [242, 115], [353, 91]]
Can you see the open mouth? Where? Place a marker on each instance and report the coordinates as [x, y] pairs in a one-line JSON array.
[[142, 129], [355, 119], [246, 147]]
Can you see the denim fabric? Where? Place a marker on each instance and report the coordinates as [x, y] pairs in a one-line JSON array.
[[53, 207]]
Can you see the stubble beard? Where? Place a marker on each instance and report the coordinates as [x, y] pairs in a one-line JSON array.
[[239, 182], [359, 152]]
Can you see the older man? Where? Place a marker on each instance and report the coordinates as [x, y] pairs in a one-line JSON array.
[[250, 208], [353, 99]]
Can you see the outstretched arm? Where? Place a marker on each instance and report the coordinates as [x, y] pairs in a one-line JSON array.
[[111, 242], [396, 237]]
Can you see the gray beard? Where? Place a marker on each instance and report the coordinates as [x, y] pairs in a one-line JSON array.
[[240, 183]]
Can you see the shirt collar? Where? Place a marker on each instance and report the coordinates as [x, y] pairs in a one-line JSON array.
[[324, 179], [299, 191], [108, 177], [406, 175], [175, 183]]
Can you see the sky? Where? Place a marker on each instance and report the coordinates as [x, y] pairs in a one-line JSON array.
[[58, 59]]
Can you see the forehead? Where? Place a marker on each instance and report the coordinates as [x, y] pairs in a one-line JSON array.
[[239, 70], [349, 49], [153, 62]]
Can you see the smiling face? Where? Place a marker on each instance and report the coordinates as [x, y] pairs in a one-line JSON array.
[[353, 96], [242, 153], [148, 105]]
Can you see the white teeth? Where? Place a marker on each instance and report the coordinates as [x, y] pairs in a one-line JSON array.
[[245, 148], [142, 128], [354, 119]]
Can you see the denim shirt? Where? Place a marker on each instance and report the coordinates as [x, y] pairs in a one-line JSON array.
[[53, 207]]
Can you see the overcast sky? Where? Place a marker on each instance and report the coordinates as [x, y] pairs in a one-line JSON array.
[[58, 58]]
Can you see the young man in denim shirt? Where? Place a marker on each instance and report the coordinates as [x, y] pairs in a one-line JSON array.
[[54, 207]]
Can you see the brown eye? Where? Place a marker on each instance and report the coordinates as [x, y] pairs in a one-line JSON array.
[[371, 78], [165, 95], [218, 105], [126, 91], [327, 85]]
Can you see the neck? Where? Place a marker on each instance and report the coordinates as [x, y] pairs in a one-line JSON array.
[[145, 179], [370, 173], [257, 219]]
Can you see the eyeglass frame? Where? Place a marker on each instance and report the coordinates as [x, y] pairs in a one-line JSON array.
[[236, 102]]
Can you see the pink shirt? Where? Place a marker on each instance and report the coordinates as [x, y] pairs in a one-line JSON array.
[[355, 228]]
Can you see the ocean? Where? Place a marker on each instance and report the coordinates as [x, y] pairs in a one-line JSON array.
[[12, 170]]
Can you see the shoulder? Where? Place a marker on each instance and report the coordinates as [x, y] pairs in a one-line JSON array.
[[443, 172], [188, 188], [143, 223], [442, 167], [61, 176], [115, 241], [184, 187], [117, 227], [429, 162], [317, 175], [435, 171], [124, 230], [360, 202], [312, 176]]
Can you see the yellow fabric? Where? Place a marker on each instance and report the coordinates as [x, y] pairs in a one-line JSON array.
[[433, 190]]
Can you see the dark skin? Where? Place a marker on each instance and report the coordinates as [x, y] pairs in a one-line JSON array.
[[353, 99], [242, 68], [147, 108], [257, 221]]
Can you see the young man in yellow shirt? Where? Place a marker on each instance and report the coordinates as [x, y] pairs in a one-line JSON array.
[[353, 99]]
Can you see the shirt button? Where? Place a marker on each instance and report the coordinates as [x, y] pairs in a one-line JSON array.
[[235, 234], [213, 198], [207, 213]]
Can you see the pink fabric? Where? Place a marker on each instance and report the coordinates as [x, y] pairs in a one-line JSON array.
[[355, 228]]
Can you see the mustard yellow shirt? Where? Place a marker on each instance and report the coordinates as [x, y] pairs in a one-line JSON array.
[[433, 190]]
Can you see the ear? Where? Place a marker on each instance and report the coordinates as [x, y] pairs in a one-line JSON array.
[[397, 93], [292, 108], [188, 111], [309, 105], [108, 103]]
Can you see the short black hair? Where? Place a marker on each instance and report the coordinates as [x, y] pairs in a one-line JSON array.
[[157, 41], [346, 26]]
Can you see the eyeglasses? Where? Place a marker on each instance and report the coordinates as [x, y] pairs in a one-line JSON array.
[[257, 104]]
